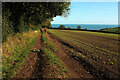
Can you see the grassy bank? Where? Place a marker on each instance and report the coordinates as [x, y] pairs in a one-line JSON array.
[[15, 50], [59, 70], [115, 30]]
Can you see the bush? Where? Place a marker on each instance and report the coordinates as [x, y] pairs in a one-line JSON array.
[[62, 27], [79, 27], [69, 28], [44, 26], [23, 25], [85, 28], [7, 26], [49, 25]]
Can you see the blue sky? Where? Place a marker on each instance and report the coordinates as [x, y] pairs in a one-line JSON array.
[[90, 13]]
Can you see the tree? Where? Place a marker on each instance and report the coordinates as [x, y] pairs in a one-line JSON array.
[[69, 28], [79, 27], [49, 25], [62, 27], [85, 28], [35, 13], [17, 16], [7, 27]]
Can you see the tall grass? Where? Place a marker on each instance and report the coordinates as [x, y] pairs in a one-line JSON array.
[[15, 50]]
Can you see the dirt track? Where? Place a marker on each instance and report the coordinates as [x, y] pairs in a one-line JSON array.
[[32, 65]]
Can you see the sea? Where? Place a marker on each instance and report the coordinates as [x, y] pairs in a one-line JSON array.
[[88, 26]]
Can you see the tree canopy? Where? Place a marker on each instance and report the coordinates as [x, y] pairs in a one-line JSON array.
[[79, 27], [62, 27], [17, 15], [37, 12]]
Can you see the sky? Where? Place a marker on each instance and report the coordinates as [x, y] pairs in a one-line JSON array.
[[90, 13]]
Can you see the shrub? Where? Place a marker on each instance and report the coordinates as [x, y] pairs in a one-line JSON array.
[[62, 27], [79, 27], [23, 25], [85, 28], [69, 28], [7, 26], [44, 26], [49, 25]]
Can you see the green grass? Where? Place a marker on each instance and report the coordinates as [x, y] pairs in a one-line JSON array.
[[53, 60], [116, 29], [48, 45], [15, 53], [109, 35]]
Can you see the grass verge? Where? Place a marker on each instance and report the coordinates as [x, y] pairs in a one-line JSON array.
[[15, 50]]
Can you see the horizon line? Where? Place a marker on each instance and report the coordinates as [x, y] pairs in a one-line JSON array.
[[88, 23]]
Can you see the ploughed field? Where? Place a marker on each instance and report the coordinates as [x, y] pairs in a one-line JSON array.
[[98, 51]]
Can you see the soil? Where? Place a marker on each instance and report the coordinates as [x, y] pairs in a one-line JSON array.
[[32, 65], [76, 70], [95, 67], [96, 40], [35, 66]]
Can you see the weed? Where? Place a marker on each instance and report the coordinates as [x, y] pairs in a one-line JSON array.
[[15, 53]]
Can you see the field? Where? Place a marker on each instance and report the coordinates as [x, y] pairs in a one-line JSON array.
[[61, 54], [98, 50], [116, 29]]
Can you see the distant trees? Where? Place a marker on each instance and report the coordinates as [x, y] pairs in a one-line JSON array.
[[69, 28], [49, 25], [86, 29], [62, 27], [79, 27]]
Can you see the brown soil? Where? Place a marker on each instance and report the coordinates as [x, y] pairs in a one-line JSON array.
[[99, 42], [76, 70], [95, 40], [35, 66], [32, 65], [92, 68]]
